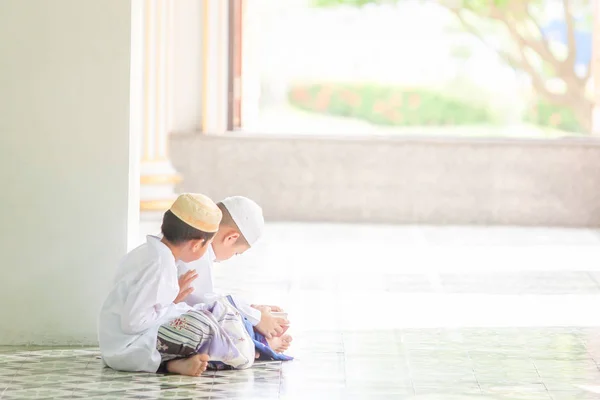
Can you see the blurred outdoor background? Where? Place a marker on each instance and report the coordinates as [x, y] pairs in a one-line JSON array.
[[441, 67]]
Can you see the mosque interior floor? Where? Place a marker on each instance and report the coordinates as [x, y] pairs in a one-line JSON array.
[[383, 312]]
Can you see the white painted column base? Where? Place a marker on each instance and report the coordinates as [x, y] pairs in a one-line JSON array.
[[157, 188]]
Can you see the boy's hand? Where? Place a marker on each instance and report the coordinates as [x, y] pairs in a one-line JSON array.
[[185, 282], [269, 326]]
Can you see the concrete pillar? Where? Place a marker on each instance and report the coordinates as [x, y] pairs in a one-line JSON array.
[[215, 66], [158, 177], [68, 163], [173, 91]]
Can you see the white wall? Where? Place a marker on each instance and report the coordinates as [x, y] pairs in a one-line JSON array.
[[64, 164]]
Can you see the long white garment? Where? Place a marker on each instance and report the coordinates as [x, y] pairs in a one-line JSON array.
[[141, 300], [203, 285], [204, 290]]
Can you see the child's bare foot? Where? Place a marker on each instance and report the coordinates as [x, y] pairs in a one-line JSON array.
[[280, 344], [191, 366]]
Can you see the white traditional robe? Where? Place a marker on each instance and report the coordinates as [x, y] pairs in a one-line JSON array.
[[140, 301], [204, 289]]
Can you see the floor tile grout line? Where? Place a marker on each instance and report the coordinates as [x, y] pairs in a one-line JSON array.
[[584, 344], [541, 379], [280, 375], [410, 373], [593, 278], [537, 344], [473, 369], [11, 380]]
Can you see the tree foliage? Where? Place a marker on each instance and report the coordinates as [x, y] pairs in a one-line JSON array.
[[532, 52]]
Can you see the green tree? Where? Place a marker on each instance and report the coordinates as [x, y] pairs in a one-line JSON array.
[[543, 60]]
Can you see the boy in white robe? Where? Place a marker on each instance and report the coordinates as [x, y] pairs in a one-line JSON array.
[[144, 323], [240, 228]]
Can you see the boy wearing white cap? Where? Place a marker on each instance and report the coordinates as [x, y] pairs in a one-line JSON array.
[[144, 324], [240, 228]]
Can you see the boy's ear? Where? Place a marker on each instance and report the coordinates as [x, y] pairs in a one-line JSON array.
[[232, 237], [198, 244]]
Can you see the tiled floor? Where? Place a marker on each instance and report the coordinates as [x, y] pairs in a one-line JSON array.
[[385, 313], [506, 363]]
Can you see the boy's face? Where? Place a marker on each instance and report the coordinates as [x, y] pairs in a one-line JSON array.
[[226, 245]]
